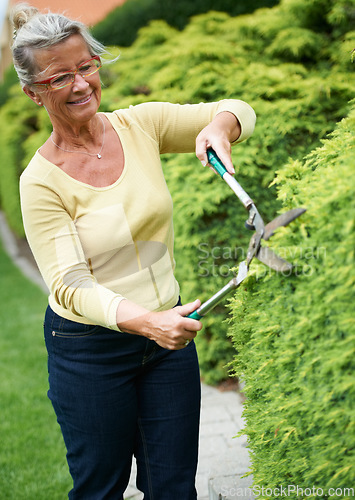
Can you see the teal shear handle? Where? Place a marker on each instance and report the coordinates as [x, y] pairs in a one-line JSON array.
[[216, 163], [220, 169], [194, 315]]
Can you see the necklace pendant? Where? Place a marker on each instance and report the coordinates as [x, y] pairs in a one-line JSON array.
[[99, 156]]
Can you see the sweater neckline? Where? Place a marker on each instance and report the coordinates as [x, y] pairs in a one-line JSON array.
[[84, 184]]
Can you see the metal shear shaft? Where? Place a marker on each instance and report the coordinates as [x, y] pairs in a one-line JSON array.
[[223, 292]]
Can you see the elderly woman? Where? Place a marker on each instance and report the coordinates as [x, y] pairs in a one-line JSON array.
[[123, 370]]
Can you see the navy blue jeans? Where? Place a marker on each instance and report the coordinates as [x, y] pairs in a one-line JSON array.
[[117, 395]]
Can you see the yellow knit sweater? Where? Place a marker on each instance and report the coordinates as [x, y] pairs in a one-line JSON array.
[[95, 246]]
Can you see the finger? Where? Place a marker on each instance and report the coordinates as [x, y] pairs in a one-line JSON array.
[[224, 154], [188, 308], [189, 325], [178, 344], [201, 151]]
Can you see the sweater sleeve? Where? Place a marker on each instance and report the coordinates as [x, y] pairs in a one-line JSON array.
[[55, 243], [175, 127]]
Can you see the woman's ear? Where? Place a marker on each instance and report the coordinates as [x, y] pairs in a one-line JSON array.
[[32, 95]]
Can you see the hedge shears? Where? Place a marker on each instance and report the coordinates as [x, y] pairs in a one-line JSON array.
[[262, 232]]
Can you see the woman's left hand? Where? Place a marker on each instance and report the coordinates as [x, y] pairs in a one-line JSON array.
[[218, 135]]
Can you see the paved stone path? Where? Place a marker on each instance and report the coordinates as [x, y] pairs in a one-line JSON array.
[[223, 458]]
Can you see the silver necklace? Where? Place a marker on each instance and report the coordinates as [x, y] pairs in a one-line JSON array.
[[85, 152]]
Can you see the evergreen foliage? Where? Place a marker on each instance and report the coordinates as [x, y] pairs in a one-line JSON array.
[[121, 26], [10, 78], [299, 87], [295, 335]]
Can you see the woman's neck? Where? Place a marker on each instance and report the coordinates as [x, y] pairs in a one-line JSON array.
[[79, 135]]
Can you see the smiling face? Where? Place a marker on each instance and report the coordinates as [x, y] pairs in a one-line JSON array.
[[76, 103]]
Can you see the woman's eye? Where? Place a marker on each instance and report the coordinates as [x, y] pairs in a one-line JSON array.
[[58, 80], [86, 68]]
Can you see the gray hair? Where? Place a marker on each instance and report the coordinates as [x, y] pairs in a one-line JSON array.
[[34, 30]]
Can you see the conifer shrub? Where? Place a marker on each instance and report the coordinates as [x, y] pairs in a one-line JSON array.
[[122, 26], [9, 80], [295, 335], [298, 93], [23, 128]]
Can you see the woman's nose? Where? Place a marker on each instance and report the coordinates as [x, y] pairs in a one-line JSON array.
[[79, 82]]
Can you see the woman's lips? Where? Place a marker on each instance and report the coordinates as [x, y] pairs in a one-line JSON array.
[[84, 100]]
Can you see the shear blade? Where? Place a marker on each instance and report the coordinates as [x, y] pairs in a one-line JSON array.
[[282, 220], [269, 258], [242, 272]]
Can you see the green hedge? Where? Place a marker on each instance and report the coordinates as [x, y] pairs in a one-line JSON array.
[[121, 26], [23, 128], [295, 335], [291, 63]]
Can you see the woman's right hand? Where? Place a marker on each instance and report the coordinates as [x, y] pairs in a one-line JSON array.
[[170, 329]]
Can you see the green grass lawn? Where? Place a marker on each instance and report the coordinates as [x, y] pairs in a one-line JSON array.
[[32, 452]]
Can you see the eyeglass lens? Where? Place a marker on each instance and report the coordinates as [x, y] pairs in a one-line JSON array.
[[85, 69]]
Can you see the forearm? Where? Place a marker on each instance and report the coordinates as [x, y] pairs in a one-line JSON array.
[[132, 318], [170, 329]]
